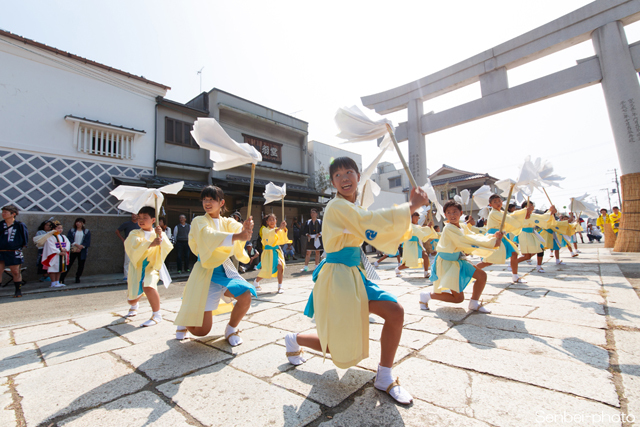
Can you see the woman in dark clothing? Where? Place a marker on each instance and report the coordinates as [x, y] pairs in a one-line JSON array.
[[80, 239]]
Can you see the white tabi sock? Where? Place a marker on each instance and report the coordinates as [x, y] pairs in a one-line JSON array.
[[295, 354], [280, 290], [384, 379], [181, 332], [475, 305], [230, 333], [425, 297], [133, 310]]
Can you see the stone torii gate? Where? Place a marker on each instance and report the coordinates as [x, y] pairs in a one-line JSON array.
[[614, 66]]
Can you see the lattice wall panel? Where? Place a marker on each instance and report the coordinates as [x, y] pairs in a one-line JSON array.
[[39, 183]]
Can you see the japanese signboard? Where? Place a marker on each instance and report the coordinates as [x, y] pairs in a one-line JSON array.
[[271, 151]]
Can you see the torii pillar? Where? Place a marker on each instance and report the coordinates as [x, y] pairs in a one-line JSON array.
[[622, 96], [417, 146]]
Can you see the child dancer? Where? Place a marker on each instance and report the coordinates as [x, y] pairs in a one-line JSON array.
[[385, 256], [507, 249], [55, 254], [412, 248], [214, 239], [272, 262], [531, 243], [147, 249], [451, 272], [343, 297]]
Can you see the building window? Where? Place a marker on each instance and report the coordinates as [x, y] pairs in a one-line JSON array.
[[452, 193], [178, 132], [443, 195], [103, 142], [395, 182]]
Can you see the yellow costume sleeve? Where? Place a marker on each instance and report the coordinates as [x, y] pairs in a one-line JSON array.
[[136, 246], [454, 239], [513, 223], [383, 228], [423, 233], [274, 237]]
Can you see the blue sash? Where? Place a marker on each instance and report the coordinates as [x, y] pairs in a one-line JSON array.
[[349, 256], [145, 263], [466, 268], [415, 239], [274, 258], [507, 244]]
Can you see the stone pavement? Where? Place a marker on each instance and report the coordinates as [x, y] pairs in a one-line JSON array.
[[563, 349]]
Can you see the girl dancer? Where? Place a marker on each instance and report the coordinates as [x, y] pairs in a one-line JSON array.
[[412, 248], [272, 261], [531, 243]]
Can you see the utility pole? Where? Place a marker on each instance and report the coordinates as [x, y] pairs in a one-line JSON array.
[[608, 197], [615, 171]]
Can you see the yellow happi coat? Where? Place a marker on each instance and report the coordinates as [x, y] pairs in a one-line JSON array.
[[454, 239], [474, 229], [410, 252], [205, 241], [272, 237], [340, 299], [144, 261], [529, 242], [614, 220], [513, 225]]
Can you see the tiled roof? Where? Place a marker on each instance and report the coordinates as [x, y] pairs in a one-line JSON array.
[[461, 178]]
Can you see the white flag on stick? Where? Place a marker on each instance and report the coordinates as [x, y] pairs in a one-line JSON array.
[[580, 205], [134, 198], [367, 188], [431, 193], [224, 151], [273, 193], [481, 196]]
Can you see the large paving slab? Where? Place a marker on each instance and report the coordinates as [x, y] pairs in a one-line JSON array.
[[136, 333], [568, 349], [296, 323], [569, 377], [42, 332], [628, 349], [252, 339], [75, 346], [100, 320], [493, 400], [19, 358], [622, 299], [267, 317], [164, 359], [373, 360], [322, 382], [139, 410], [7, 415], [221, 395], [74, 385], [580, 317], [5, 338], [375, 408], [414, 339], [431, 324], [265, 363], [540, 328]]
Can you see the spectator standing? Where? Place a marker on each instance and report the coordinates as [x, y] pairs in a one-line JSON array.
[[181, 237], [55, 256], [123, 232], [80, 238], [167, 230], [296, 236], [313, 232], [14, 237], [43, 233]]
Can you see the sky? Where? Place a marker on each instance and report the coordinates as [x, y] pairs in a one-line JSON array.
[[307, 59]]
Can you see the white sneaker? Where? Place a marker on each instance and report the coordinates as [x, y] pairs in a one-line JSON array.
[[398, 273], [58, 285], [305, 268]]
